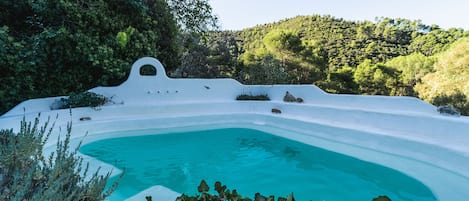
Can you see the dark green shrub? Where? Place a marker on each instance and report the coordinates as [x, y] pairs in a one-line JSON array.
[[382, 198], [262, 97], [26, 174], [83, 99], [225, 194]]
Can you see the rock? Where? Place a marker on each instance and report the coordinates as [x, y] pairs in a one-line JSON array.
[[448, 110], [85, 118], [289, 97], [299, 100], [276, 111]]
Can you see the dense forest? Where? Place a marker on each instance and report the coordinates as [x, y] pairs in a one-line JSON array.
[[52, 48], [55, 47], [396, 57]]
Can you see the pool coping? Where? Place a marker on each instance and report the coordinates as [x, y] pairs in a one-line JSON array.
[[372, 138]]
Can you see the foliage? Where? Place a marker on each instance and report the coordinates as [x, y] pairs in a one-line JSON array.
[[123, 37], [55, 47], [436, 41], [283, 42], [376, 79], [340, 42], [457, 100], [194, 16], [83, 99], [386, 57], [382, 198], [26, 174], [225, 194], [211, 57], [264, 69], [16, 79], [340, 81], [262, 97], [448, 83], [412, 67]]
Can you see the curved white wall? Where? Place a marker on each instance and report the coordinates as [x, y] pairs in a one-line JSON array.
[[403, 133]]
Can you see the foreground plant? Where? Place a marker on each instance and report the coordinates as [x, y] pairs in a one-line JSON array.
[[226, 195], [26, 174]]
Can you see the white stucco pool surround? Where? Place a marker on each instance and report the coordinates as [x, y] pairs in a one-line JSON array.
[[402, 133]]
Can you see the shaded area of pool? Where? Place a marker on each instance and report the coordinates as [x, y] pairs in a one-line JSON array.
[[250, 161]]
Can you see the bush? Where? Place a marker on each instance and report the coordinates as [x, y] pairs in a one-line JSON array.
[[83, 99], [263, 97], [225, 194], [25, 174]]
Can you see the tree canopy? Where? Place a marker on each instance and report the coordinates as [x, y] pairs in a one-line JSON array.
[[385, 57], [448, 84], [52, 47]]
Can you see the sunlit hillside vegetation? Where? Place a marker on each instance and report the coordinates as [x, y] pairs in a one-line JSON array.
[[396, 57]]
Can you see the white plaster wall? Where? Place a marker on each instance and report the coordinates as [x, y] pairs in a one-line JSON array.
[[403, 133]]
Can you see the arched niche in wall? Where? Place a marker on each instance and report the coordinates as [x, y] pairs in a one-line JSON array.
[[148, 70]]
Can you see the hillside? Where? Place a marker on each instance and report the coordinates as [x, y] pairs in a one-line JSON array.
[[347, 43], [386, 57], [42, 56]]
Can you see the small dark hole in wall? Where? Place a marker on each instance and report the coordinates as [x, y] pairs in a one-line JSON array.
[[147, 70]]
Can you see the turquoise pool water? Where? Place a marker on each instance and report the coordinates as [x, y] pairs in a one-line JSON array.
[[250, 161]]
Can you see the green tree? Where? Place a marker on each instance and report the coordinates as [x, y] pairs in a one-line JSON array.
[[340, 81], [436, 41], [212, 57], [412, 67], [194, 16], [328, 52], [265, 69], [376, 79], [450, 76], [16, 79], [300, 59], [69, 46], [283, 42], [63, 46]]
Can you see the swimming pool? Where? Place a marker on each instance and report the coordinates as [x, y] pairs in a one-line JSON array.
[[250, 161], [402, 133]]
